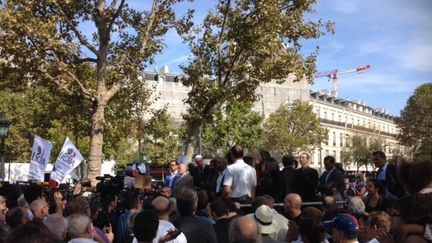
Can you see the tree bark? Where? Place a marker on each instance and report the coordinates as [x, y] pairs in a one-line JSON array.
[[191, 139], [96, 142]]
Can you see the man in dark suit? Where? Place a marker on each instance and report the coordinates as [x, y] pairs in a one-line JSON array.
[[287, 175], [331, 182], [306, 180], [185, 180], [220, 214], [387, 175], [171, 177], [200, 173], [195, 229]]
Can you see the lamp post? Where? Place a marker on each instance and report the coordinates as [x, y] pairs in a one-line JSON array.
[[4, 130]]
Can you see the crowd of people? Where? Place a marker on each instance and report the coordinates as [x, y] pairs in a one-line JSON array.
[[239, 198]]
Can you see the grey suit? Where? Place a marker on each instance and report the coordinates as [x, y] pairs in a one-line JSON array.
[[183, 181]]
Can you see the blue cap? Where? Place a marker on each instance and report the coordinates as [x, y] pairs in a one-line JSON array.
[[343, 222]]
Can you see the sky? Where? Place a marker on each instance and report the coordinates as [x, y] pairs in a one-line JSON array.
[[393, 36]]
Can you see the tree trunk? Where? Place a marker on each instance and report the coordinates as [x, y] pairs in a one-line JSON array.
[[191, 139], [96, 142]]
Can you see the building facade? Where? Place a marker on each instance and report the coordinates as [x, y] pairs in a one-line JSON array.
[[345, 119], [342, 118]]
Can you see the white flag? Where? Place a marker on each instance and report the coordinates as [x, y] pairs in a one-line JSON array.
[[68, 159], [39, 159]]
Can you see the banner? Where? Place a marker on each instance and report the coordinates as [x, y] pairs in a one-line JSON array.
[[39, 158], [68, 159]]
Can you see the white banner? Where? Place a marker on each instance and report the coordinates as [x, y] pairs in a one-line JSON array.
[[68, 159], [39, 158]]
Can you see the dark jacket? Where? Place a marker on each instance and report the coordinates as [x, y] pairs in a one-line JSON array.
[[306, 181], [184, 181], [335, 180], [200, 177], [221, 228], [269, 185], [195, 230], [287, 181], [392, 182]]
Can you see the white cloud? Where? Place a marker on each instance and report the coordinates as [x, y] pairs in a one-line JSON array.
[[417, 57]]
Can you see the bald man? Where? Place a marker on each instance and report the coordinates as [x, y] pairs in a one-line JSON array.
[[39, 208], [244, 229], [163, 208], [292, 206]]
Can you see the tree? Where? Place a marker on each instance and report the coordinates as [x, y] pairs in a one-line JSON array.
[[240, 45], [360, 152], [44, 41], [161, 142], [415, 122], [235, 123], [293, 127]]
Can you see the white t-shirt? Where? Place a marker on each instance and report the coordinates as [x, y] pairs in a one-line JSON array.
[[241, 177], [164, 227]]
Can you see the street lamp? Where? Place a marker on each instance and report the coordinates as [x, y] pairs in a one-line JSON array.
[[4, 130]]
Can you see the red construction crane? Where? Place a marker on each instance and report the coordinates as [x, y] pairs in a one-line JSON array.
[[334, 74]]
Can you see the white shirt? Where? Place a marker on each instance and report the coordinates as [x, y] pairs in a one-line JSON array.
[[241, 177], [283, 223], [164, 227], [171, 178], [382, 174]]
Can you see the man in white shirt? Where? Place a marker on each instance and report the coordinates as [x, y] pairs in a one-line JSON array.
[[240, 180], [163, 209]]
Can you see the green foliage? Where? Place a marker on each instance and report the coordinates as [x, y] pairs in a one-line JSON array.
[[415, 122], [51, 43], [360, 152], [235, 123], [36, 112], [161, 138], [293, 127], [240, 45]]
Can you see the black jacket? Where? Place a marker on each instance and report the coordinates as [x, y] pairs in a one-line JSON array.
[[334, 180], [392, 182], [195, 230], [287, 181], [306, 181]]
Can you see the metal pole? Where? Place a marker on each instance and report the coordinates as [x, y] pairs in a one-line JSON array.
[[2, 167], [199, 141]]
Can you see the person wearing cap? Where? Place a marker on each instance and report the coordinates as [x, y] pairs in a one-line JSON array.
[[268, 226], [200, 173], [344, 228]]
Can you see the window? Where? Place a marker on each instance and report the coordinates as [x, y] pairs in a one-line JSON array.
[[340, 118], [325, 114], [334, 138], [341, 139], [332, 117]]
